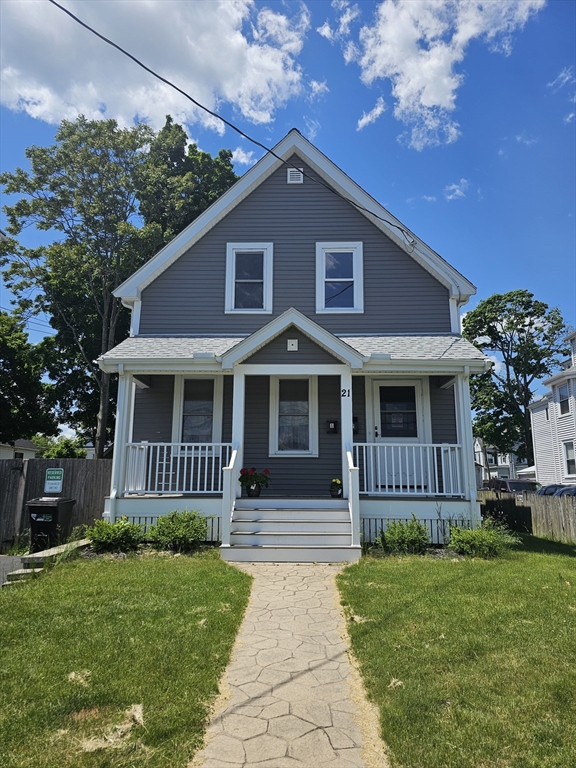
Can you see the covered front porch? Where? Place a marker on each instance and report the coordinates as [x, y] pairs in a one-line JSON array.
[[398, 437]]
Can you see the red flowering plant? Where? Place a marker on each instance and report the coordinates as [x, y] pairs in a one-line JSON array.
[[250, 478]]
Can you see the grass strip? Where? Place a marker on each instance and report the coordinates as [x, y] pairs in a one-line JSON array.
[[115, 662], [472, 663]]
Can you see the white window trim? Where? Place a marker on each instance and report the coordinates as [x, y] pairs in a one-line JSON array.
[[178, 409], [565, 468], [268, 251], [358, 277], [312, 413], [568, 400]]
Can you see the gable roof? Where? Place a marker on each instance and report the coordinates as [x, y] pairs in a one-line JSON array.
[[292, 318], [294, 143]]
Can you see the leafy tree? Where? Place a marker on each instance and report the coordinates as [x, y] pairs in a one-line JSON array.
[[59, 448], [25, 401], [526, 336], [115, 196], [179, 181]]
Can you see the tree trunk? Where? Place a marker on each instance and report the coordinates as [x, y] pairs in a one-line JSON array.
[[528, 438], [102, 420]]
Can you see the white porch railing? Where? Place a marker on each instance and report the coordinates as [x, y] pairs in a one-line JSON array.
[[433, 469], [164, 468]]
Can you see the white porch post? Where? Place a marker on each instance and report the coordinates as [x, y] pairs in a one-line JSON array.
[[238, 419], [347, 428], [123, 410], [465, 438]]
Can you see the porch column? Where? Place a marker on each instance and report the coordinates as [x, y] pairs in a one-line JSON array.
[[347, 428], [238, 420], [465, 434], [123, 410]]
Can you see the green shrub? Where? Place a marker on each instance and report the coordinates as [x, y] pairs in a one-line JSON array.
[[179, 531], [400, 538], [121, 536], [492, 539]]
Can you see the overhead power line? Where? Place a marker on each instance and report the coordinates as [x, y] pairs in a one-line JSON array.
[[408, 236]]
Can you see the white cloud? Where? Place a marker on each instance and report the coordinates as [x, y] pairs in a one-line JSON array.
[[317, 89], [242, 157], [225, 51], [312, 127], [326, 31], [521, 138], [416, 44], [456, 190], [346, 19], [373, 115], [565, 76], [570, 117], [429, 198]]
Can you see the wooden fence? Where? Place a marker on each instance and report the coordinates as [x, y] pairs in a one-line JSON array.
[[551, 517], [21, 480]]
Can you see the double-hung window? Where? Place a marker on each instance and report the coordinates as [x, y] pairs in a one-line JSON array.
[[249, 278], [570, 458], [339, 277], [198, 411], [564, 399], [293, 416]]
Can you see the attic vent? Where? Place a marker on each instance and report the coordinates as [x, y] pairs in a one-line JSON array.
[[295, 175]]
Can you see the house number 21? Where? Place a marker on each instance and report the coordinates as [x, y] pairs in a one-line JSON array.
[[345, 393]]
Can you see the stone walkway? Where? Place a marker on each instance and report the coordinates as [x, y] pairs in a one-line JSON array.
[[290, 697]]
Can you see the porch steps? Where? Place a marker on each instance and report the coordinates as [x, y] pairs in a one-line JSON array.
[[289, 531]]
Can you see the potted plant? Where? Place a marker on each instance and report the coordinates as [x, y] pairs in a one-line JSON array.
[[254, 481], [336, 488]]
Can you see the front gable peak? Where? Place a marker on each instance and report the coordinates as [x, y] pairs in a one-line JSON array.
[[292, 318]]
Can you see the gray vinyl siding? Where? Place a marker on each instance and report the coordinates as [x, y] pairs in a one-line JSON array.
[[276, 351], [359, 407], [309, 476], [153, 411], [544, 454], [400, 296], [443, 412]]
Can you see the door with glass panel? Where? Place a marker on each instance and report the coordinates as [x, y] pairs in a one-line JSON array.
[[399, 463]]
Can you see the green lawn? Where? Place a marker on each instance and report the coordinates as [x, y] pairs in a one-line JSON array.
[[472, 663], [83, 644]]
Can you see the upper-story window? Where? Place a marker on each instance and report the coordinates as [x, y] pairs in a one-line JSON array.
[[249, 277], [339, 277], [564, 399]]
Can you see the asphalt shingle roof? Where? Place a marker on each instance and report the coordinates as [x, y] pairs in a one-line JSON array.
[[416, 347]]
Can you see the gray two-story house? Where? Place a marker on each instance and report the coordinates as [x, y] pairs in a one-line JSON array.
[[295, 326]]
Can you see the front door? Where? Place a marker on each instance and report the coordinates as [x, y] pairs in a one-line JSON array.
[[400, 463]]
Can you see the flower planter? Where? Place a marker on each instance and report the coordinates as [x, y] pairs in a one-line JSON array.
[[336, 493], [253, 491]]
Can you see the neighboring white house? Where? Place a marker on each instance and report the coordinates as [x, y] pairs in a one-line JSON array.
[[20, 449], [494, 464], [554, 425]]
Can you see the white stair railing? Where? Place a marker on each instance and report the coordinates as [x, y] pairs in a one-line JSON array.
[[353, 497], [229, 495]]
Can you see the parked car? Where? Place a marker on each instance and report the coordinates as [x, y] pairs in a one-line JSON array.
[[550, 490], [566, 490], [517, 487]]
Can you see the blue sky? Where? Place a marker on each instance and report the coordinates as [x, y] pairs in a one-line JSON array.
[[458, 116]]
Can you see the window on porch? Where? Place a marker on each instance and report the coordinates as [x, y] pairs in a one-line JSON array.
[[198, 411]]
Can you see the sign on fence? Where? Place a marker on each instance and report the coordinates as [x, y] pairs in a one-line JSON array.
[[54, 480]]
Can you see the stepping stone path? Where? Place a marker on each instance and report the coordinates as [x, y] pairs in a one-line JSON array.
[[291, 698]]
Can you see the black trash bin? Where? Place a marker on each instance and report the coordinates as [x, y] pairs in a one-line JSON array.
[[50, 521]]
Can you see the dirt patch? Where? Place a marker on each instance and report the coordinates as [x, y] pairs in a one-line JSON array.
[[115, 737]]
